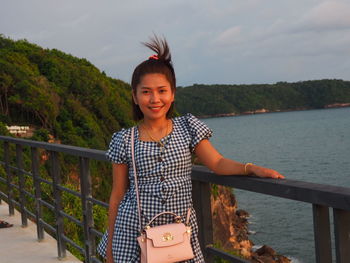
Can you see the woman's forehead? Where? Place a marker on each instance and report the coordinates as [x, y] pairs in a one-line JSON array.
[[154, 80]]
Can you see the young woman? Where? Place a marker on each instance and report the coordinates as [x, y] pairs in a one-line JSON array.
[[163, 148]]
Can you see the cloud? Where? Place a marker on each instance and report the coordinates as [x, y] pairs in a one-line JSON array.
[[230, 36], [208, 39], [76, 22], [329, 15], [322, 30]]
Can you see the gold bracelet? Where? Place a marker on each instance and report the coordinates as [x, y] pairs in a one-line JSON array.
[[245, 168]]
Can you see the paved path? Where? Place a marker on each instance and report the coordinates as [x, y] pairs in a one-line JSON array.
[[19, 245]]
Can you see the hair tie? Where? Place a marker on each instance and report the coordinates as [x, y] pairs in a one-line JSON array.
[[154, 57]]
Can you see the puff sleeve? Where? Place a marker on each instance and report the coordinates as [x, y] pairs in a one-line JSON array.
[[198, 130], [117, 149]]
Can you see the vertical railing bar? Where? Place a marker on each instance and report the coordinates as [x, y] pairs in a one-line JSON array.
[[342, 235], [202, 204], [322, 234], [5, 164], [86, 192], [197, 207], [21, 182], [37, 190], [8, 178], [56, 180]]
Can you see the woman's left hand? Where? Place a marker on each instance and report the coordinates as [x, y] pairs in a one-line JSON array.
[[265, 172]]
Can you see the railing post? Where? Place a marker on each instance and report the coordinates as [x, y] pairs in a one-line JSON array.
[[21, 182], [88, 220], [322, 234], [8, 178], [56, 180], [202, 205], [37, 190], [342, 235]]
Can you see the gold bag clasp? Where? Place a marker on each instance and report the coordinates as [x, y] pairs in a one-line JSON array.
[[167, 237]]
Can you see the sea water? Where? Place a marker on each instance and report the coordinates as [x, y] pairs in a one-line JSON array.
[[312, 146]]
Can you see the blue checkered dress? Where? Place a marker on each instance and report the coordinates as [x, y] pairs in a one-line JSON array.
[[164, 184]]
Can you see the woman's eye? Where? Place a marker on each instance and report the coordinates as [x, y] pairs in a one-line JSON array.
[[163, 90], [144, 91]]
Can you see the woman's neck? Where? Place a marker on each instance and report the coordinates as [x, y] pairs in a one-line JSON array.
[[156, 124]]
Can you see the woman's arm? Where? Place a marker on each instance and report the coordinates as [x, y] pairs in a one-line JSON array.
[[120, 185], [211, 158]]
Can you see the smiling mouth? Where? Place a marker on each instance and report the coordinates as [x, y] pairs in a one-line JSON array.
[[155, 107]]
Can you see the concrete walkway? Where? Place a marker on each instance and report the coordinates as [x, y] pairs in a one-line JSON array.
[[18, 244]]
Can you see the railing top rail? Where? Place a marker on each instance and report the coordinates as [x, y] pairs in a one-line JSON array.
[[328, 195], [73, 150]]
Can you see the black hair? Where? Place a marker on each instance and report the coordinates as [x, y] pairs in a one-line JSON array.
[[160, 63]]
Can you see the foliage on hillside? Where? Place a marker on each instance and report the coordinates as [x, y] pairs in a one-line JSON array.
[[65, 95], [223, 99]]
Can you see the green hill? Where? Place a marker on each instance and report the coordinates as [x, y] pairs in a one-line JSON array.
[[65, 96], [227, 99]]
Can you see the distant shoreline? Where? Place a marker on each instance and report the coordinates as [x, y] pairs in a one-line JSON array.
[[261, 111]]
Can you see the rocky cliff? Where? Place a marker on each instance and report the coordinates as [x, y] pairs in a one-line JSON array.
[[230, 226]]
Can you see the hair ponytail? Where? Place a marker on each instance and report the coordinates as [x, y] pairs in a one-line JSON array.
[[160, 47], [160, 63]]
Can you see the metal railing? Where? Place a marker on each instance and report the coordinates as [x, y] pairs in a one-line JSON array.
[[322, 198], [87, 201]]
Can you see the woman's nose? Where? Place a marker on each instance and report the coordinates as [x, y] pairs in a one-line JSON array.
[[154, 97]]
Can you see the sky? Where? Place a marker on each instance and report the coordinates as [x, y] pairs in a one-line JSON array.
[[212, 42]]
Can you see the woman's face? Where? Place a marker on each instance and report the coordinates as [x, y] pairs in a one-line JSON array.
[[154, 96]]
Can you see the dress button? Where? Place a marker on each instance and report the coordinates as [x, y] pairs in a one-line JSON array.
[[162, 178], [160, 159], [163, 201]]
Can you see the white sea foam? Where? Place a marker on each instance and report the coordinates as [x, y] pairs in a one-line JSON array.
[[250, 219], [256, 247], [294, 260], [250, 216]]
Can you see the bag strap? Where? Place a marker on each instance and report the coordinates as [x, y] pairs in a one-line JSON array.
[[135, 176], [137, 188], [175, 216], [163, 213]]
